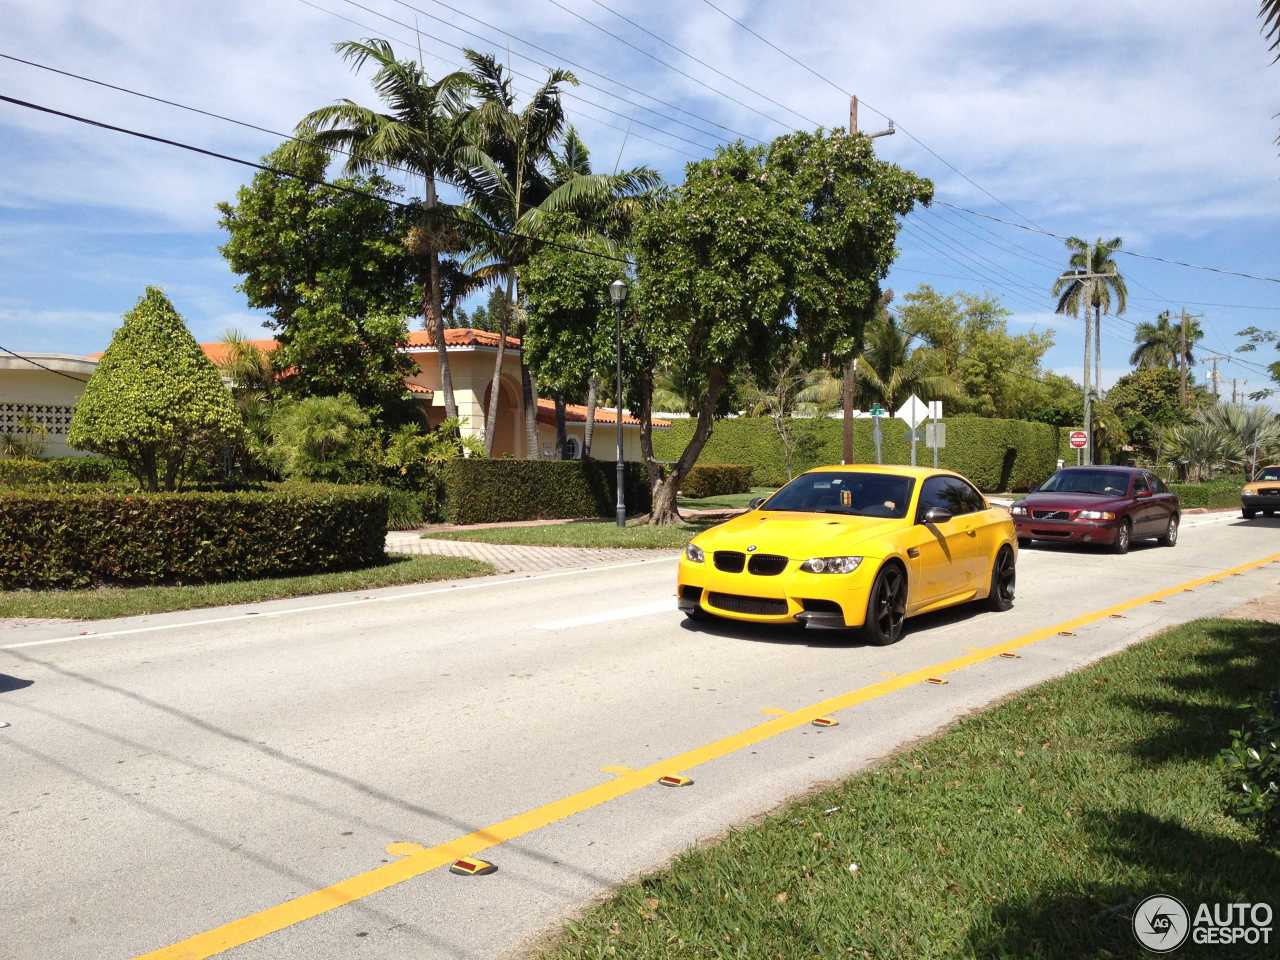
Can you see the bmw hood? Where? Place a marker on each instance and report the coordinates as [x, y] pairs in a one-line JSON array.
[[797, 536]]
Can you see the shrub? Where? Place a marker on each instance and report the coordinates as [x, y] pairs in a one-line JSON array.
[[1223, 492], [56, 539], [155, 402], [406, 509], [26, 473], [484, 491], [321, 439], [1252, 766], [716, 479], [996, 455]]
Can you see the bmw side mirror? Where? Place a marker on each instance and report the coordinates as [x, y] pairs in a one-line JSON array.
[[754, 503], [936, 515]]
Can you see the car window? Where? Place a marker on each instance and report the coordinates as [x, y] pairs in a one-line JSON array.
[[1102, 483], [1140, 484], [948, 493], [1269, 473], [1157, 484], [847, 491]]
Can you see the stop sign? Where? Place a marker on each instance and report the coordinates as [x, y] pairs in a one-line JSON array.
[[1079, 439]]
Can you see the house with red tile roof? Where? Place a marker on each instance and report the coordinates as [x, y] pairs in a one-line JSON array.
[[43, 391]]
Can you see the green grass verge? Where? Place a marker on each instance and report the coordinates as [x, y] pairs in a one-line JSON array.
[[1029, 830], [724, 501], [582, 533], [105, 602]]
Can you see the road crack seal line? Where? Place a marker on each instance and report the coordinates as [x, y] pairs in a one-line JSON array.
[[418, 860]]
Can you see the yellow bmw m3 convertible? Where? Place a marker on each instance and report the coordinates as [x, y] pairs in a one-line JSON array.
[[857, 546]]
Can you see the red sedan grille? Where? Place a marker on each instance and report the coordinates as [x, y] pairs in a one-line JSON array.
[[1051, 514]]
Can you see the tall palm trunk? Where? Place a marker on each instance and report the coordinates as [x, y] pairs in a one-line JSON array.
[[495, 385], [529, 389], [588, 432], [562, 431], [1097, 347], [434, 315]]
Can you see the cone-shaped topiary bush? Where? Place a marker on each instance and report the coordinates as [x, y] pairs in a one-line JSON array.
[[155, 403]]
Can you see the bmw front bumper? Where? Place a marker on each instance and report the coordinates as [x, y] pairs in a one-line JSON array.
[[832, 600]]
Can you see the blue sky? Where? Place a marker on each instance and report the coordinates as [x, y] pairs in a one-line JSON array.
[[1150, 121]]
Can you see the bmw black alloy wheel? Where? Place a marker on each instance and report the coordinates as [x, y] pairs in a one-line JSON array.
[[890, 606], [1006, 575]]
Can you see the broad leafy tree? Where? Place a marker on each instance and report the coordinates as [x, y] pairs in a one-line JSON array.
[[1147, 403], [155, 402], [759, 245], [331, 269], [418, 130]]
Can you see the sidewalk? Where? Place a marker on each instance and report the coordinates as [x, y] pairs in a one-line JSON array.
[[510, 558]]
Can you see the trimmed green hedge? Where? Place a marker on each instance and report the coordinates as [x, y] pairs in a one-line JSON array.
[[28, 473], [715, 480], [1223, 492], [997, 455], [496, 491], [59, 540]]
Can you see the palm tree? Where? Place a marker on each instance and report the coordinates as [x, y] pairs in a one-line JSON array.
[[1159, 344], [514, 197], [421, 133], [1076, 295], [1269, 12], [1249, 434], [888, 371], [249, 372]]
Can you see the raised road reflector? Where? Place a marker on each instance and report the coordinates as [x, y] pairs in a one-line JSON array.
[[673, 780], [936, 680], [825, 722], [1010, 656], [1065, 633], [471, 867], [1118, 616], [1161, 602]]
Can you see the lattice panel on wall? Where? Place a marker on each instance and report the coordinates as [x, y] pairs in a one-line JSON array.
[[54, 417]]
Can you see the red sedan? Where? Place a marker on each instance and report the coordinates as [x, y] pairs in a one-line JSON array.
[[1112, 506]]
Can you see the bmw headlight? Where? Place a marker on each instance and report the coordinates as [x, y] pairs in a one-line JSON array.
[[1096, 515], [1018, 510], [831, 565], [694, 553]]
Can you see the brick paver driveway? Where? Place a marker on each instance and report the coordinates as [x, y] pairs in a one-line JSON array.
[[509, 558]]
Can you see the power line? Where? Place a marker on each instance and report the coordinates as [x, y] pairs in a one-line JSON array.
[[374, 31], [267, 168], [670, 66], [937, 156], [35, 363], [497, 46], [1127, 253], [699, 60], [551, 53]]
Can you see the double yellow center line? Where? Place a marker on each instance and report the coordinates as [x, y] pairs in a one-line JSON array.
[[419, 860]]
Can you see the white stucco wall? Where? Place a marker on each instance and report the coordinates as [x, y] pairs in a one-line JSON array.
[[48, 397]]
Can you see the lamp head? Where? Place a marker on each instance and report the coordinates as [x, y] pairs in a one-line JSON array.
[[617, 291]]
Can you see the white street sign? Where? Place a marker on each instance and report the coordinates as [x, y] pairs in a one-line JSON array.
[[935, 435], [935, 409], [914, 412]]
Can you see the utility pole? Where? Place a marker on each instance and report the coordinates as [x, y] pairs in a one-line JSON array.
[[853, 115], [846, 401], [1234, 395], [1213, 377]]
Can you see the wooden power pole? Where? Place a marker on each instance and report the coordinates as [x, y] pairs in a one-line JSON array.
[[1182, 361], [853, 115]]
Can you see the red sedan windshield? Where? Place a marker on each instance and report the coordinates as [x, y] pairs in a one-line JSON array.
[[1103, 483]]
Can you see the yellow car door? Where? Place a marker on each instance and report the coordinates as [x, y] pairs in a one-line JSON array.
[[942, 555]]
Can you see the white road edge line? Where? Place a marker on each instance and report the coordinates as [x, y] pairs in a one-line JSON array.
[[620, 613], [258, 615]]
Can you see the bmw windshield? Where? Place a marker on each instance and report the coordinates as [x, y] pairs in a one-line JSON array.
[[848, 492]]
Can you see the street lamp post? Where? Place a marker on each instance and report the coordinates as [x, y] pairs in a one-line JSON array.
[[618, 293]]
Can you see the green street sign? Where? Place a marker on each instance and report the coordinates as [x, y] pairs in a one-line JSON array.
[[877, 410]]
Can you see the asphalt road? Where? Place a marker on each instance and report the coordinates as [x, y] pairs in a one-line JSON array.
[[168, 776]]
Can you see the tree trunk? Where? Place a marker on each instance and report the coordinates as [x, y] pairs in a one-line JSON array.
[[495, 385], [588, 431], [562, 434], [433, 313], [664, 490], [846, 403], [529, 388]]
